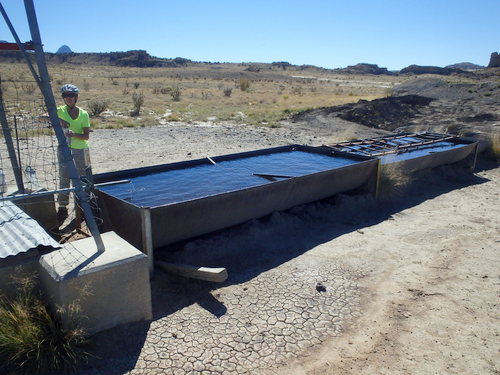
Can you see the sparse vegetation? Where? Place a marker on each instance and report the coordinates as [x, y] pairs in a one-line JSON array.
[[495, 146], [138, 101], [32, 339], [244, 84], [392, 180], [97, 106], [262, 101], [176, 94]]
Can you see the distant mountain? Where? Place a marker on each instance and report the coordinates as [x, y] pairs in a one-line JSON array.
[[465, 66], [64, 49]]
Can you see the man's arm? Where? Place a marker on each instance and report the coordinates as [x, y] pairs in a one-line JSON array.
[[84, 137]]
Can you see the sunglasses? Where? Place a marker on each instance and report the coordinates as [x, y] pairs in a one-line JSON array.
[[68, 95]]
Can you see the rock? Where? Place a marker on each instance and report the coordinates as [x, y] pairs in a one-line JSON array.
[[494, 60], [320, 287]]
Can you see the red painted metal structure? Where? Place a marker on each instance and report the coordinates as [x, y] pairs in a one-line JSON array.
[[4, 46]]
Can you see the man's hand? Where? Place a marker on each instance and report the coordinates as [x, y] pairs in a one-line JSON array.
[[64, 124]]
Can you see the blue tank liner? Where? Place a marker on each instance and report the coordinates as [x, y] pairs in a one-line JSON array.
[[179, 185], [186, 199]]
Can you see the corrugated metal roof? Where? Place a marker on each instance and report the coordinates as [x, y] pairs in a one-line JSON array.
[[20, 233]]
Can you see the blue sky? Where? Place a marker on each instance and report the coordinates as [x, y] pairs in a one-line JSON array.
[[330, 34]]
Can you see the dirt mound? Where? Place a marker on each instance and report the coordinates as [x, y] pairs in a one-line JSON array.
[[482, 92], [464, 107], [386, 113]]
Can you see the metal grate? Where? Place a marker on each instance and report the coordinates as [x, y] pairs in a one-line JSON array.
[[391, 144]]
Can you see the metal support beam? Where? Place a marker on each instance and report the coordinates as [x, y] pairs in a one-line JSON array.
[[10, 145], [46, 89], [147, 238]]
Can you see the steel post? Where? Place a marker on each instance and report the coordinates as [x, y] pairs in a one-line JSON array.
[[10, 145], [46, 89]]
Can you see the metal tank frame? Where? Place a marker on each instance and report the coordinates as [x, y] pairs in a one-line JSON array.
[[148, 228], [378, 147]]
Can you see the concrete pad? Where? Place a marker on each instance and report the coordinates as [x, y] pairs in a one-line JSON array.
[[109, 288]]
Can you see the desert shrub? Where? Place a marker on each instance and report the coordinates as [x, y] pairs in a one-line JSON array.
[[495, 146], [161, 90], [32, 340], [138, 101], [176, 94], [393, 181], [29, 88], [244, 84], [136, 85], [97, 106]]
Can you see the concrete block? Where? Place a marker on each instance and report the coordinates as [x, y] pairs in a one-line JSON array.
[[42, 209], [110, 288]]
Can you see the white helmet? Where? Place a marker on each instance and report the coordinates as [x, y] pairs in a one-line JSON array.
[[69, 88]]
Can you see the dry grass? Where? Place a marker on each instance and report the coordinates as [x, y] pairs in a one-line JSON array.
[[197, 93], [495, 145], [392, 180], [32, 339]]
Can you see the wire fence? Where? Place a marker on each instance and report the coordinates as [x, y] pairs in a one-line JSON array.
[[33, 141], [29, 162]]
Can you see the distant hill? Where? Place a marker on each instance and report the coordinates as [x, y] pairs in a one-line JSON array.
[[64, 49], [141, 59], [419, 69], [136, 58], [364, 68], [465, 66]]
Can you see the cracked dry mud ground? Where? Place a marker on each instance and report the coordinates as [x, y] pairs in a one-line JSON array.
[[240, 327]]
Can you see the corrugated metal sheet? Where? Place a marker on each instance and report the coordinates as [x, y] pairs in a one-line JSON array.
[[20, 233]]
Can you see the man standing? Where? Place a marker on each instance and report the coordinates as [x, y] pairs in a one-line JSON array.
[[76, 124]]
